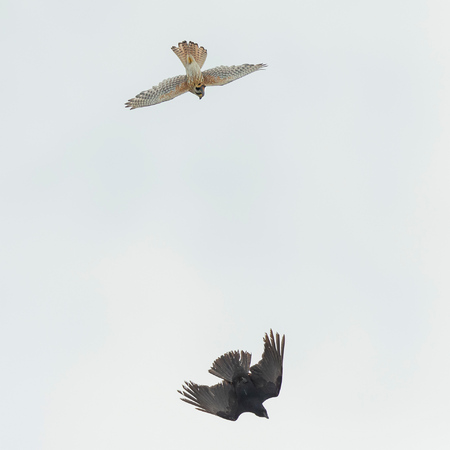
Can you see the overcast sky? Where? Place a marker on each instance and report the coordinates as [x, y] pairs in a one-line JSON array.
[[311, 198]]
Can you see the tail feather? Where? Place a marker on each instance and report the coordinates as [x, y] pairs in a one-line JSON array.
[[231, 365], [184, 49]]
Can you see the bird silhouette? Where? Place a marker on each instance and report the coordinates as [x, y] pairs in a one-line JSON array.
[[244, 388]]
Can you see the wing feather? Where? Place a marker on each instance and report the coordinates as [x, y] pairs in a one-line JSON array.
[[218, 76], [219, 399], [268, 373], [164, 91]]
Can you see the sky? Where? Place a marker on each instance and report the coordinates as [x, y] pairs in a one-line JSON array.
[[138, 246]]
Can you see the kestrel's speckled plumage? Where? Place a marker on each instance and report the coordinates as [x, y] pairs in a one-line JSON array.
[[193, 57]]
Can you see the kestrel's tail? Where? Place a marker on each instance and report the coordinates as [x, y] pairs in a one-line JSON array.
[[184, 49]]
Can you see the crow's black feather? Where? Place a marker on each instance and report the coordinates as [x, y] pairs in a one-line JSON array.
[[244, 388]]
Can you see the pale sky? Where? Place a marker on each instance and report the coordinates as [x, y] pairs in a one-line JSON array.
[[311, 198]]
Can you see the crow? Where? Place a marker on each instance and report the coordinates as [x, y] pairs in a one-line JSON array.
[[244, 388]]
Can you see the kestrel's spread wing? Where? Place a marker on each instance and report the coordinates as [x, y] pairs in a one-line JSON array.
[[193, 57], [164, 91], [226, 74]]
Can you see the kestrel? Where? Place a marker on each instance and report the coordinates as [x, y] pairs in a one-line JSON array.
[[244, 388], [193, 57]]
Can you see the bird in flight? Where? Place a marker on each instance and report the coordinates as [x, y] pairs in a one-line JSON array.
[[193, 57], [244, 388]]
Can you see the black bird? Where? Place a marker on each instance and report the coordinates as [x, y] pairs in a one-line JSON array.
[[244, 388]]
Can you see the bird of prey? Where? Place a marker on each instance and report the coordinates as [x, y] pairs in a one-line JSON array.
[[193, 57], [244, 388]]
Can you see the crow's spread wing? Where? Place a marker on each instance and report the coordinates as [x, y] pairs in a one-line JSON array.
[[219, 399], [268, 373]]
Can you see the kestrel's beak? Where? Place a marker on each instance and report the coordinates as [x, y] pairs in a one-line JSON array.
[[200, 96]]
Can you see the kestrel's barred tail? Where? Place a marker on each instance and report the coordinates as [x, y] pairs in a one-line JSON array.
[[184, 49], [193, 57]]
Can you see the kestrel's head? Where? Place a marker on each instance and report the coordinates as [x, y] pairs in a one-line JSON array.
[[199, 90]]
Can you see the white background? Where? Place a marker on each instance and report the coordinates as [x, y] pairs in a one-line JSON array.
[[311, 198]]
